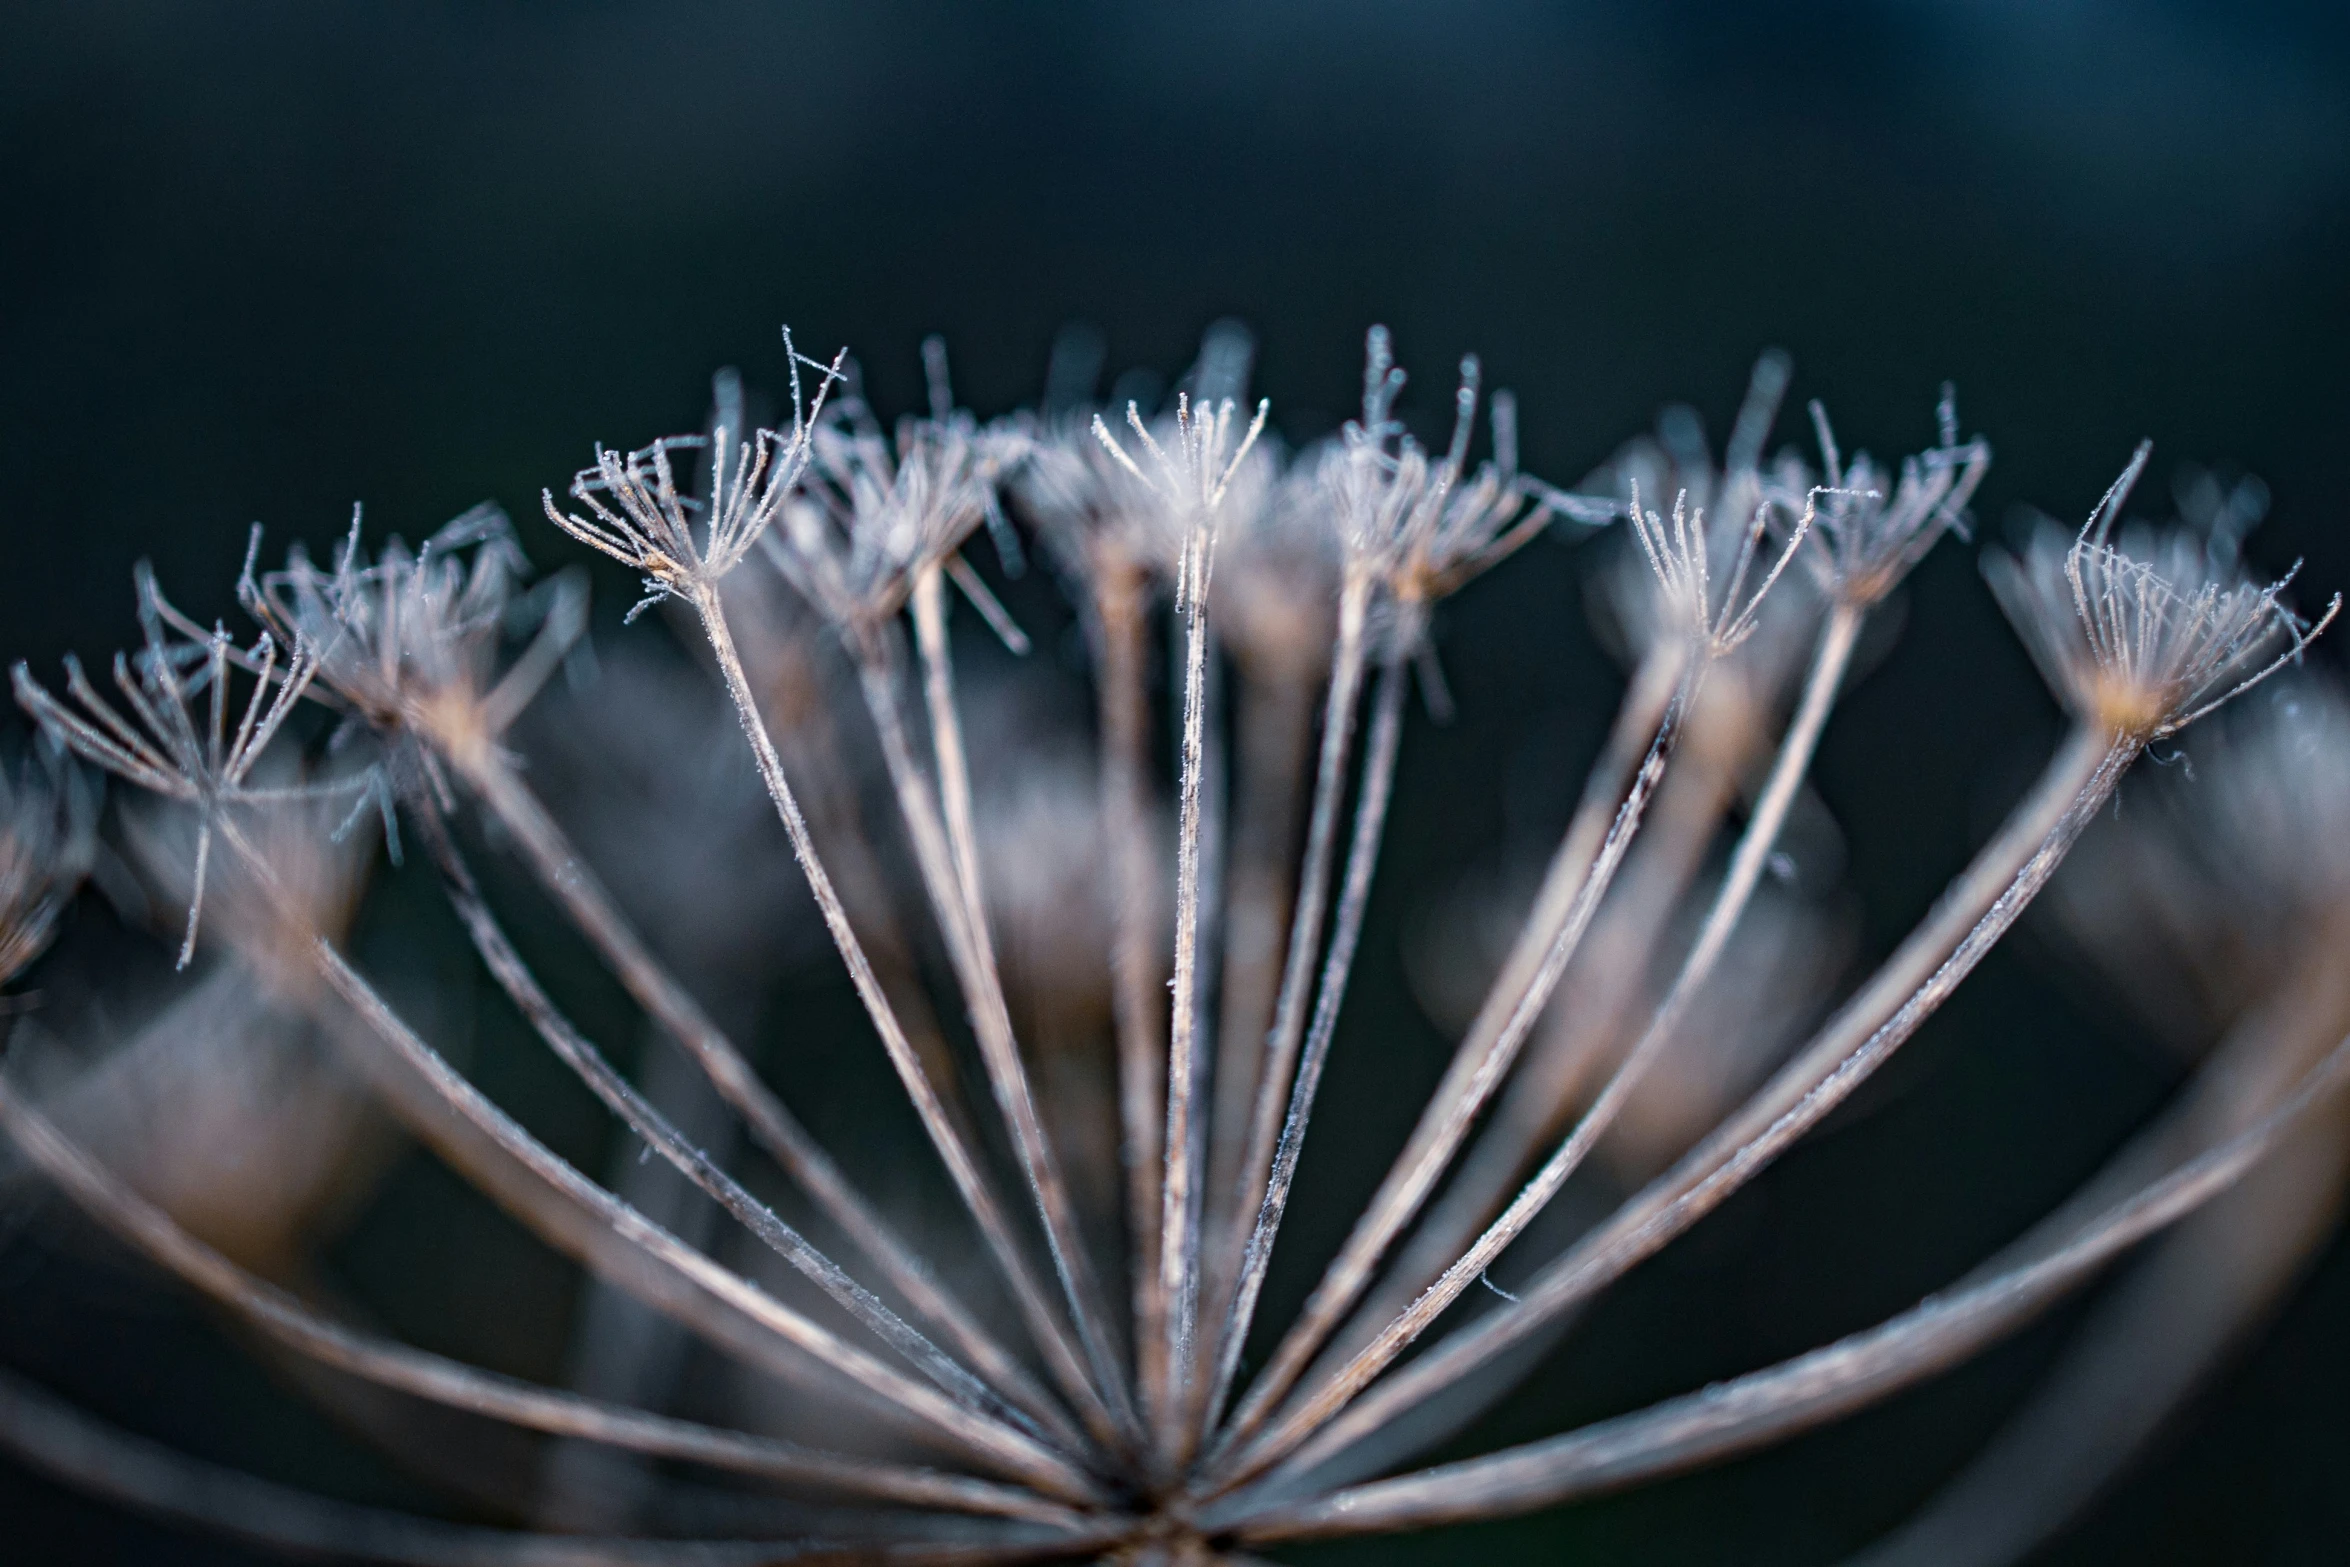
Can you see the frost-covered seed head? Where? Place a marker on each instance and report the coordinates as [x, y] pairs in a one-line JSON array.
[[2148, 635], [1424, 524], [682, 543], [1680, 552], [1868, 527], [411, 641], [182, 740], [874, 512]]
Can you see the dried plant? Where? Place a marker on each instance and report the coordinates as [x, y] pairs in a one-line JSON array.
[[1182, 984]]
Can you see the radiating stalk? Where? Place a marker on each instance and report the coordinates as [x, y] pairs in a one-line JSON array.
[[1778, 794], [565, 875], [1972, 915], [1594, 846], [1763, 1406], [153, 1232], [962, 1166], [1179, 1209], [1275, 725], [624, 1101], [1099, 1397], [1362, 859], [1273, 1078], [1123, 630]]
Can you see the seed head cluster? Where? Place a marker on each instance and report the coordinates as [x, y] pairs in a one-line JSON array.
[[1109, 991]]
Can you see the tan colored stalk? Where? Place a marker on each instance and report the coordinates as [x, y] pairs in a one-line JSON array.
[[1272, 1080], [1100, 1399], [1275, 732], [962, 1165], [1977, 909], [623, 1100], [1588, 855], [988, 1440], [566, 876], [1748, 1411], [1601, 1002], [107, 1199], [1179, 1207], [1794, 760], [1119, 600], [1278, 1160]]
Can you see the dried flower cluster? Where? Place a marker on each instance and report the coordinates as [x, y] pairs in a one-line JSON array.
[[1145, 994]]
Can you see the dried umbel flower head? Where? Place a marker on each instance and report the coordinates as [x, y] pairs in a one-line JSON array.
[[178, 740], [2149, 634], [877, 513], [1681, 553], [1095, 1384], [1870, 528], [1419, 524], [413, 642], [684, 544]]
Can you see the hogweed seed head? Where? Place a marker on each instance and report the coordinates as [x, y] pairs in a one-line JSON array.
[[1680, 550], [1144, 1443], [685, 544], [1424, 524], [1868, 533], [874, 513], [179, 741], [412, 641], [2148, 635]]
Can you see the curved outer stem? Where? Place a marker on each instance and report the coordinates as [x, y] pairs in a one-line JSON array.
[[102, 1461], [2153, 1337], [1594, 846], [1972, 915], [565, 875], [641, 1117], [1354, 899], [1794, 759], [153, 1232], [962, 1166], [1761, 1406], [987, 1440]]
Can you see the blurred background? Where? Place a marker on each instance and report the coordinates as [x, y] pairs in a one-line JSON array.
[[260, 261]]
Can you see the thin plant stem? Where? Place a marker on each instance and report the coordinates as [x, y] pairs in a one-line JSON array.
[[153, 1232], [1370, 824], [1179, 1209], [954, 787], [1602, 1001], [1778, 794], [1275, 745], [1100, 1398], [641, 1117], [1305, 944], [962, 1166], [565, 875], [1973, 914], [993, 1443], [1748, 1411], [1122, 630], [96, 1458], [1594, 846]]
